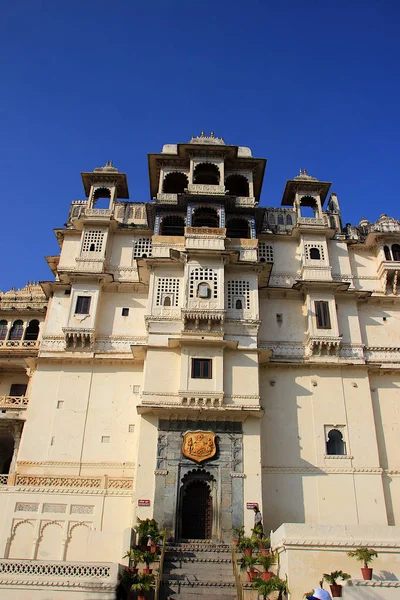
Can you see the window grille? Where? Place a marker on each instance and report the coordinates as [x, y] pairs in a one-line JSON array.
[[266, 252], [198, 275], [142, 246], [239, 290], [310, 251], [92, 241], [322, 314], [167, 286]]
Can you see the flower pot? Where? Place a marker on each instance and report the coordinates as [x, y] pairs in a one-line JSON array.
[[141, 598], [264, 551], [366, 572], [154, 548], [147, 571], [235, 542], [336, 591], [247, 552], [252, 575], [133, 570], [267, 575]]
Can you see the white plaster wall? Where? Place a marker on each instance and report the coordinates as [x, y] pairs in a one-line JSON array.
[[348, 320], [375, 331], [70, 249], [239, 380], [110, 319], [120, 249], [287, 255], [57, 313], [294, 323], [162, 370], [339, 257], [7, 379]]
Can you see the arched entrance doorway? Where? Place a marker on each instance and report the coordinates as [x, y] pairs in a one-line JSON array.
[[196, 505]]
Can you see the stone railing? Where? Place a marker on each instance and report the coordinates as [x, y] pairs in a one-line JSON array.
[[26, 568], [100, 483], [3, 479], [167, 198], [207, 189], [207, 231], [19, 343], [105, 213], [244, 201], [311, 221], [78, 337], [312, 272], [14, 402], [386, 354]]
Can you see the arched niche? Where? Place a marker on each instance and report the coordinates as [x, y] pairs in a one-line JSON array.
[[21, 541], [206, 173], [50, 541], [172, 225], [237, 227], [205, 216], [32, 331], [237, 185], [77, 542], [175, 183]]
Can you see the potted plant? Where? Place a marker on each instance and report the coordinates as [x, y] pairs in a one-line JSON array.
[[267, 560], [257, 531], [280, 586], [142, 529], [331, 578], [264, 588], [142, 583], [148, 558], [364, 555], [246, 545], [135, 557], [249, 562], [264, 545], [239, 531], [153, 535]]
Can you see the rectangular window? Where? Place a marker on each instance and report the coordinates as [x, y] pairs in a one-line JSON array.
[[201, 368], [82, 305], [18, 389], [322, 314], [125, 312]]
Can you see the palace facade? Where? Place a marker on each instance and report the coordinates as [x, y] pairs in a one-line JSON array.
[[201, 353]]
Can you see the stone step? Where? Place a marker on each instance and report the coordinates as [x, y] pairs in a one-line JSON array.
[[199, 584], [174, 547], [197, 559]]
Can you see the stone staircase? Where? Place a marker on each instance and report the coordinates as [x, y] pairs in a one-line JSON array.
[[197, 568]]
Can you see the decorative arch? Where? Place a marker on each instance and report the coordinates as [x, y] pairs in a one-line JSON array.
[[308, 207], [77, 541], [21, 540], [205, 216], [16, 330], [206, 173], [388, 255], [197, 505], [335, 444], [32, 331], [281, 220], [289, 220], [172, 225], [237, 227], [3, 329], [237, 185], [101, 197], [175, 183], [50, 541]]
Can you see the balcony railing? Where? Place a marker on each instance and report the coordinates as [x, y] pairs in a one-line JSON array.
[[3, 479], [14, 402], [19, 343], [205, 188]]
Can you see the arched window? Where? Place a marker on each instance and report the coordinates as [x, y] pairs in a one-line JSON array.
[[172, 225], [335, 443], [167, 301], [271, 218], [332, 222], [101, 198], [175, 183], [308, 207], [315, 254], [386, 250], [396, 251], [205, 216], [289, 220], [280, 219], [206, 173], [16, 330], [237, 185], [3, 330], [32, 331], [237, 228], [238, 304]]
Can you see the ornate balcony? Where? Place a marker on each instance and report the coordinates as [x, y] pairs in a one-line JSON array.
[[19, 344], [205, 238], [323, 346], [79, 337], [167, 198], [199, 320], [99, 213], [14, 402]]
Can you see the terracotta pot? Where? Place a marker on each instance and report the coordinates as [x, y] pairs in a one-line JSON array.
[[235, 542], [133, 570], [141, 598], [154, 548], [267, 575], [264, 551], [336, 591], [147, 571], [252, 575], [366, 572], [247, 552]]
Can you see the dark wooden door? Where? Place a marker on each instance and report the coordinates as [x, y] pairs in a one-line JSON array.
[[196, 511]]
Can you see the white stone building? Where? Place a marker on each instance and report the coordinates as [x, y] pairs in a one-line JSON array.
[[276, 329]]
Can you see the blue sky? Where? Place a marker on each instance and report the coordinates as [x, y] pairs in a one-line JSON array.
[[306, 84]]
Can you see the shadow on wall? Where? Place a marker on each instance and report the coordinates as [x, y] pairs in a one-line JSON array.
[[281, 451]]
